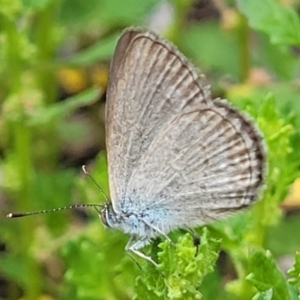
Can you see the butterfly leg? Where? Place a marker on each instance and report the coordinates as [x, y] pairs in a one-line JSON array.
[[134, 260], [159, 231], [135, 244]]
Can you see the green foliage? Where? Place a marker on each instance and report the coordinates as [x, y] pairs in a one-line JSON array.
[[282, 166], [180, 270], [295, 272], [104, 267], [101, 50], [280, 23], [64, 256], [266, 277], [210, 56], [56, 112], [108, 13]]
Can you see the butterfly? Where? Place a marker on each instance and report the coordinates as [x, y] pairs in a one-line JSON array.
[[176, 157]]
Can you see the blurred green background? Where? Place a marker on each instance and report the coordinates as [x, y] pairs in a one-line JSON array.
[[54, 60]]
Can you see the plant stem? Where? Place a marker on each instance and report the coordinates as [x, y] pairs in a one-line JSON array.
[[243, 43]]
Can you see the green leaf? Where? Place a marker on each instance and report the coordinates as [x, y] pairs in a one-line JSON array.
[[282, 167], [97, 265], [268, 56], [265, 275], [284, 232], [267, 295], [115, 12], [199, 42], [295, 272], [99, 51], [61, 109], [181, 269], [79, 12], [280, 23], [108, 13]]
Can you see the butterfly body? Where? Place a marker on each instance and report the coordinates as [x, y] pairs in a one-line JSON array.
[[135, 221]]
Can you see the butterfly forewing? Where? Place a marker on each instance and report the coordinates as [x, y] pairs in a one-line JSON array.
[[151, 84]]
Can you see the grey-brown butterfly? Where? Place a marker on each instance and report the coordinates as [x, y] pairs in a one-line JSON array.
[[176, 157]]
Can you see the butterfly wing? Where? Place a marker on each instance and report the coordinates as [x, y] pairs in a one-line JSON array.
[[202, 165], [150, 84]]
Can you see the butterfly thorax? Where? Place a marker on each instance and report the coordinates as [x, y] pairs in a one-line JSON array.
[[133, 222]]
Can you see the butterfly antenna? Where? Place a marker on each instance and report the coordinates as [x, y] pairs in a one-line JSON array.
[[95, 182], [45, 211], [98, 207]]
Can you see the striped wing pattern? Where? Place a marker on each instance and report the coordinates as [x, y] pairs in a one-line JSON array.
[[169, 145]]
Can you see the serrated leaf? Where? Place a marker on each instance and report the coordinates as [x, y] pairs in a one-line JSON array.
[[265, 275], [295, 271], [267, 295], [180, 272]]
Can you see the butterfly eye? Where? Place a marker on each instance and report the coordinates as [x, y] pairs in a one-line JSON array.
[[103, 216]]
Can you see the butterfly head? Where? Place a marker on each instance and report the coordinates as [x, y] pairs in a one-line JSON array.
[[107, 215]]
